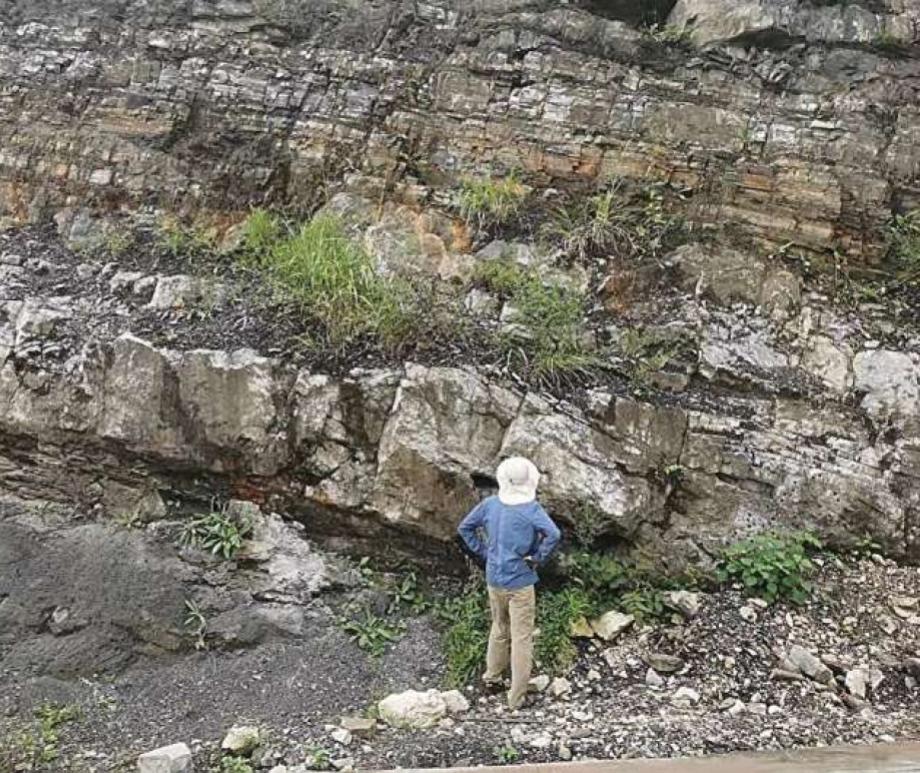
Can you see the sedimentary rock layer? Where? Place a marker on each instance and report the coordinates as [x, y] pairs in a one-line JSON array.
[[797, 121]]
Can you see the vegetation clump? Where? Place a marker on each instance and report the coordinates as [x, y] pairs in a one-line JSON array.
[[37, 746], [332, 278], [904, 246], [491, 201], [616, 222], [218, 532], [547, 321], [772, 565]]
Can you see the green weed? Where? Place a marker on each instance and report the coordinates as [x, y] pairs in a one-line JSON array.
[[196, 623], [506, 755], [262, 230], [371, 633], [772, 565], [332, 278], [490, 201], [466, 633], [551, 321], [645, 604], [177, 239], [318, 758], [407, 594], [216, 532], [557, 612], [904, 245], [617, 222], [235, 765], [38, 745]]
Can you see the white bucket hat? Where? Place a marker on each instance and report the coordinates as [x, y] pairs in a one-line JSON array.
[[518, 479]]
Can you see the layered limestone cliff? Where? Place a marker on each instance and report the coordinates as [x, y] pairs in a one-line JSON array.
[[810, 135], [781, 123]]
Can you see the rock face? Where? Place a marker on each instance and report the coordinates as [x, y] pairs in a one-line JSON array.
[[107, 418], [806, 143], [797, 123]]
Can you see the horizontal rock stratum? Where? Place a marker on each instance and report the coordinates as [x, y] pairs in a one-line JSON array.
[[810, 136], [413, 448]]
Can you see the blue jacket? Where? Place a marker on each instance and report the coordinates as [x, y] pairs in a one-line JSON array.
[[512, 533]]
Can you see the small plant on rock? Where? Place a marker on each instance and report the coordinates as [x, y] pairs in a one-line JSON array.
[[904, 245], [196, 623], [772, 565], [216, 532], [506, 755], [318, 758], [490, 201], [548, 321]]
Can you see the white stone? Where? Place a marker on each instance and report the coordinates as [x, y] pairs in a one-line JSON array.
[[413, 709], [686, 695], [652, 679], [341, 735], [748, 614], [890, 382], [560, 686], [611, 624], [539, 683], [455, 701], [241, 739], [685, 602], [168, 759]]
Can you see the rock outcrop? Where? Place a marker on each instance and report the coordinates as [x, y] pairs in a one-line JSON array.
[[767, 433], [794, 123], [797, 121]]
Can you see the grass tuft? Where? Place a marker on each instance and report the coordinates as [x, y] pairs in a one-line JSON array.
[[549, 321], [490, 201], [332, 278]]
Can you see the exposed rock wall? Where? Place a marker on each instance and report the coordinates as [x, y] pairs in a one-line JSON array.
[[810, 137], [821, 432]]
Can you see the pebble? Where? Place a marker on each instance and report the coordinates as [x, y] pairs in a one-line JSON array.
[[748, 614], [652, 679]]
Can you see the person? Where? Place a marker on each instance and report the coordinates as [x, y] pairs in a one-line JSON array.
[[519, 538]]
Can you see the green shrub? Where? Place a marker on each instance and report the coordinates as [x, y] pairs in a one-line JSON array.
[[601, 576], [551, 318], [771, 565], [904, 245], [646, 604], [489, 201], [332, 278], [216, 532], [371, 633]]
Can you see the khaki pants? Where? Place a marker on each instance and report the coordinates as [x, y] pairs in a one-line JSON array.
[[511, 639]]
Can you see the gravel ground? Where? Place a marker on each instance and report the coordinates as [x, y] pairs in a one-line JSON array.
[[297, 691]]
